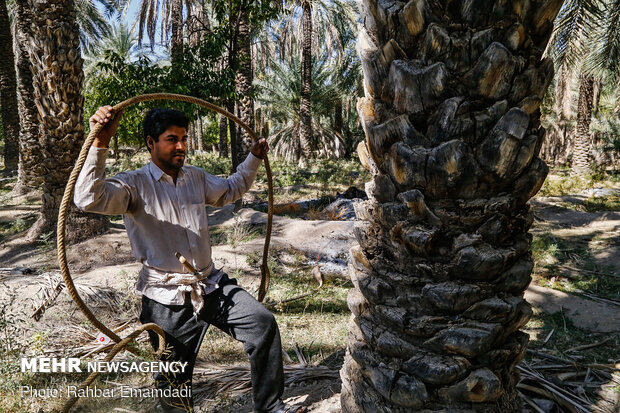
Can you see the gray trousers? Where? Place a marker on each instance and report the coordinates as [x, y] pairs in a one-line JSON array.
[[231, 309]]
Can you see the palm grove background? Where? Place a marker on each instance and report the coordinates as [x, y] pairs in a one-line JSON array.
[[438, 76]]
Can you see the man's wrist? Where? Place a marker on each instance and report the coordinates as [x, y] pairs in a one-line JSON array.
[[103, 144]]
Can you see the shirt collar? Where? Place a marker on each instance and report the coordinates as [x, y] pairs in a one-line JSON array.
[[157, 173]]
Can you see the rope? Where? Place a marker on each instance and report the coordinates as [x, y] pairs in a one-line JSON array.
[[62, 223]]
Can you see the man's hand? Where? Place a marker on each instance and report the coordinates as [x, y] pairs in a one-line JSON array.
[[109, 120], [260, 148]]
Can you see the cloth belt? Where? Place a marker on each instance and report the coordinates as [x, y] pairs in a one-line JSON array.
[[195, 284]]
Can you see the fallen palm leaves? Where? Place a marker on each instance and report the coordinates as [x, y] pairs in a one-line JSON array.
[[211, 380], [565, 383]]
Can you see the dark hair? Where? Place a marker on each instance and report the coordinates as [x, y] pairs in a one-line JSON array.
[[156, 121]]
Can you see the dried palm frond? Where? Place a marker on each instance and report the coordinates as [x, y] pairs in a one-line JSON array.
[[564, 382], [100, 296], [50, 286], [211, 379]]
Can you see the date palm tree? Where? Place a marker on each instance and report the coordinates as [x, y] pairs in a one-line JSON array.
[[54, 49], [8, 97], [279, 93], [586, 40], [30, 171], [92, 25], [311, 25], [121, 39], [452, 123]]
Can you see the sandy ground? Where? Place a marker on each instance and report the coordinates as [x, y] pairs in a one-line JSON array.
[[104, 267]]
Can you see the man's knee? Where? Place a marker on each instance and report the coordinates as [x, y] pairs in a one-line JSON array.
[[264, 320]]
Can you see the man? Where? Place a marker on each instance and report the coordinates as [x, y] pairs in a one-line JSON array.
[[163, 205]]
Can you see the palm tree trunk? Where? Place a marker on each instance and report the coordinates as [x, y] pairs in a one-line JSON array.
[[243, 81], [563, 99], [223, 136], [191, 137], [30, 169], [199, 130], [198, 22], [452, 123], [234, 148], [596, 96], [57, 80], [583, 140], [558, 145], [8, 94], [305, 128], [176, 43], [338, 117]]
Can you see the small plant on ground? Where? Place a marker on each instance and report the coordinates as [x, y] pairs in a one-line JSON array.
[[16, 226]]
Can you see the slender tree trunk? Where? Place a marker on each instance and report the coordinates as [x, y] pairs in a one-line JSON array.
[[260, 121], [558, 145], [57, 80], [198, 22], [176, 43], [349, 144], [232, 131], [305, 129], [200, 131], [338, 117], [191, 137], [223, 147], [563, 101], [8, 95], [30, 170], [452, 123], [243, 81], [583, 140], [596, 96], [234, 148]]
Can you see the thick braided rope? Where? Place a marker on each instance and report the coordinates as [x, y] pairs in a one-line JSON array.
[[68, 197]]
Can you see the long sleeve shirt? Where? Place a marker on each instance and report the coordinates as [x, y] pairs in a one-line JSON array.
[[162, 218]]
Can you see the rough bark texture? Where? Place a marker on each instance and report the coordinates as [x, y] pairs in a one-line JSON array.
[[243, 82], [583, 140], [30, 170], [8, 94], [57, 81], [305, 126], [451, 117]]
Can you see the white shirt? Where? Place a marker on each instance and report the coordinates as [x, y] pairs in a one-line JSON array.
[[162, 218]]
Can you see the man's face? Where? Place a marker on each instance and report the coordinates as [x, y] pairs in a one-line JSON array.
[[168, 152]]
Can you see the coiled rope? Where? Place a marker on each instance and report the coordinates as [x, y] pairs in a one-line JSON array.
[[62, 223]]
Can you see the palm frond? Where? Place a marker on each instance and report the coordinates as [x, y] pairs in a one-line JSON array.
[[605, 59], [573, 27], [92, 23]]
